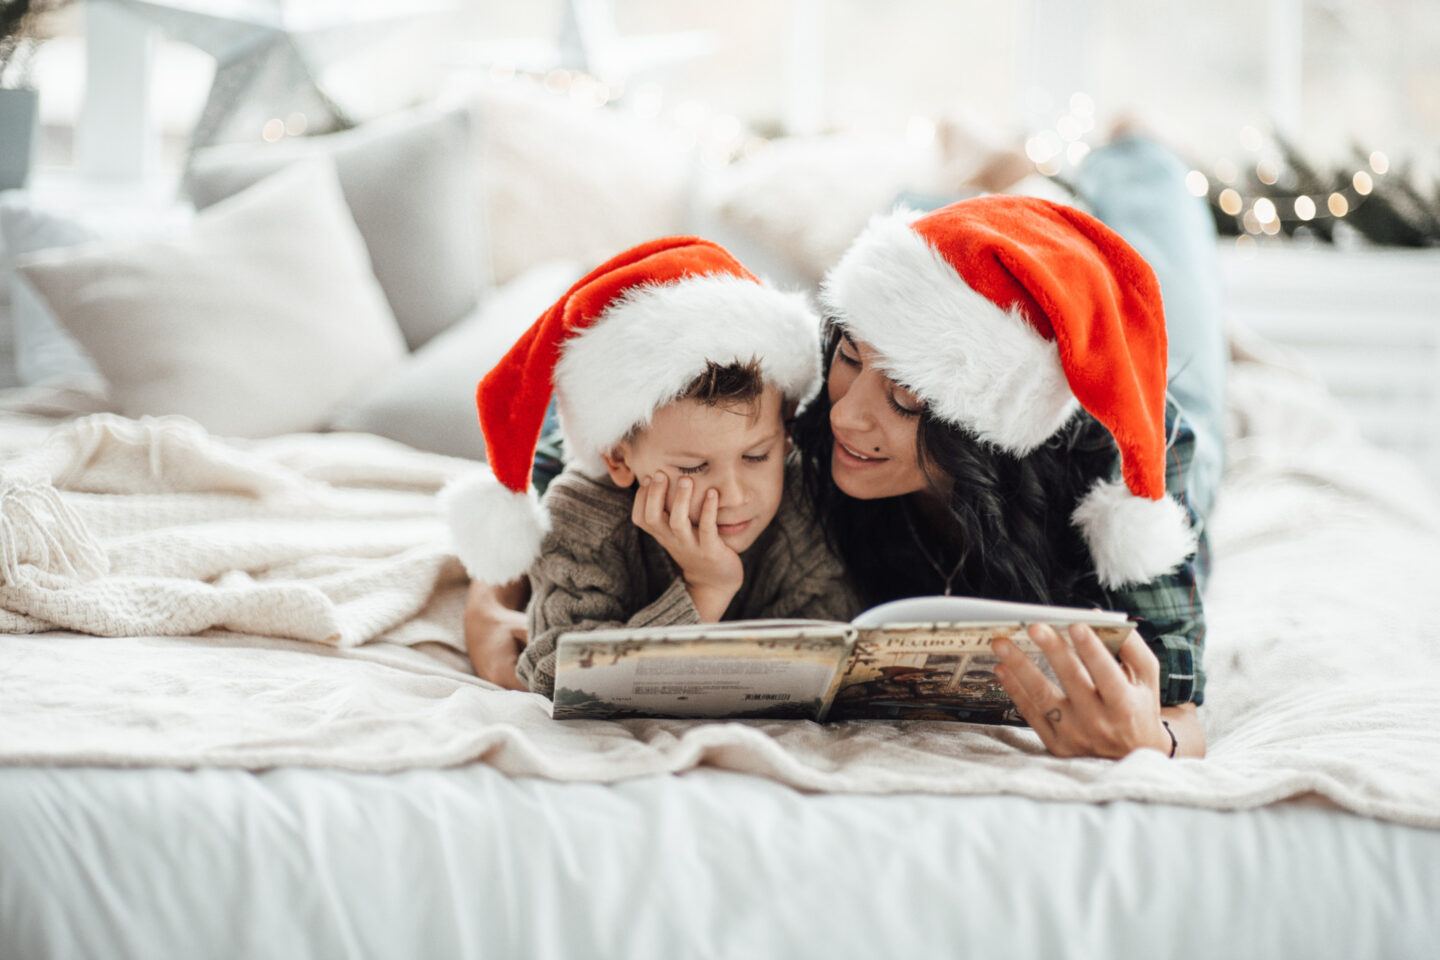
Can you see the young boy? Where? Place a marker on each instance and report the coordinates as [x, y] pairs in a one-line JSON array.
[[673, 369]]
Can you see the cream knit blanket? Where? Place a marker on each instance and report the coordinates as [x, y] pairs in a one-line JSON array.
[[120, 528], [328, 608]]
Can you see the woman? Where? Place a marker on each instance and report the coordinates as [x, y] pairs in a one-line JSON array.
[[946, 454]]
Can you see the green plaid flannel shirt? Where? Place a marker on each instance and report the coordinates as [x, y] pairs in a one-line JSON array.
[[1167, 610]]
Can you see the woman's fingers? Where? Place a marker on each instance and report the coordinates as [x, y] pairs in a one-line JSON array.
[[1043, 716], [1110, 681], [1024, 674], [1074, 678], [1136, 654]]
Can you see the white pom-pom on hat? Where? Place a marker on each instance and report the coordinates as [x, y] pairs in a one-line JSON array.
[[495, 531], [1132, 539]]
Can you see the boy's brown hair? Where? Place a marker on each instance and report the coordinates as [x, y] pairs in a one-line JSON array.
[[732, 386]]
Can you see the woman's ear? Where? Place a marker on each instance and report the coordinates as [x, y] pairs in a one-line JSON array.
[[618, 466]]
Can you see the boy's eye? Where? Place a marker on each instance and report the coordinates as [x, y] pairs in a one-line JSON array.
[[692, 470]]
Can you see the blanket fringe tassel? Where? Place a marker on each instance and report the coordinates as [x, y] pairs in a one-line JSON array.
[[38, 529]]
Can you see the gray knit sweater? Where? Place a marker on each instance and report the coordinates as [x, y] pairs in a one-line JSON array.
[[597, 569]]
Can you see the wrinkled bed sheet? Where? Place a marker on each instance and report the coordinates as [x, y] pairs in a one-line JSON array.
[[1324, 643]]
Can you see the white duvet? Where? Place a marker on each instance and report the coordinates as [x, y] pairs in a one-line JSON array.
[[293, 602]]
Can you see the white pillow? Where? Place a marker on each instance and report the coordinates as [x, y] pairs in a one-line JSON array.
[[806, 198], [45, 355], [7, 326], [259, 321], [409, 182], [562, 181], [8, 377], [429, 401]]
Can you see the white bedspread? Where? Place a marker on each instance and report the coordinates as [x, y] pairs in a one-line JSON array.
[[1324, 649]]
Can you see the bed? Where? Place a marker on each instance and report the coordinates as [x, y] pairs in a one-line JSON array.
[[236, 718], [356, 792]]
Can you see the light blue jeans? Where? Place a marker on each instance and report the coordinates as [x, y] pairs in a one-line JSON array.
[[1138, 189]]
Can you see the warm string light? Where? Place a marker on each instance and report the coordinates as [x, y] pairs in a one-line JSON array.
[[1266, 215], [1261, 216], [1051, 150]]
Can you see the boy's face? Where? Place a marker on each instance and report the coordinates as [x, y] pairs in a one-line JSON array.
[[737, 451]]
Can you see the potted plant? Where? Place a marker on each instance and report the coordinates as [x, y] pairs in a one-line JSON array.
[[19, 101]]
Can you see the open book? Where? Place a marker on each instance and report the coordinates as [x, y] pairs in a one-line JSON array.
[[926, 658]]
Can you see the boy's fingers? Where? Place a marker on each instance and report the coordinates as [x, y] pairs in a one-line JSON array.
[[655, 506], [637, 509], [709, 519], [680, 511]]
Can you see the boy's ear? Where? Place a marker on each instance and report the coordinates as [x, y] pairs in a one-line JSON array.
[[617, 465]]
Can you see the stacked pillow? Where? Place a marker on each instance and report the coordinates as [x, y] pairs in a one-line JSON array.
[[7, 327], [337, 281], [428, 401], [564, 181], [409, 183], [46, 355], [259, 320]]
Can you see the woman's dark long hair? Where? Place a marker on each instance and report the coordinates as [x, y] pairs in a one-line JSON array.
[[1009, 532]]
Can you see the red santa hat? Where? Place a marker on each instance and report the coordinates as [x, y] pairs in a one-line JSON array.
[[625, 340], [1005, 314]]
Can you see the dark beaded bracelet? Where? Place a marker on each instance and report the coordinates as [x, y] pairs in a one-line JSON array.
[[1173, 742]]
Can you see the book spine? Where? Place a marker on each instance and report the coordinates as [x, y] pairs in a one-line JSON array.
[[842, 667]]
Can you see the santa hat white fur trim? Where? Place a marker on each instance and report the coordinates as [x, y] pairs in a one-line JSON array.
[[650, 344], [1132, 539], [975, 364], [495, 531]]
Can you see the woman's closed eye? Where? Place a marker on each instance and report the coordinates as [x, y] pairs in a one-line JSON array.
[[904, 402], [756, 457]]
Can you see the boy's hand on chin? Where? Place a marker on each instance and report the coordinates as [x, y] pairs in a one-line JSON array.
[[712, 571]]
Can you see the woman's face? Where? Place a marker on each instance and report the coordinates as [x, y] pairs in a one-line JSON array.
[[874, 421]]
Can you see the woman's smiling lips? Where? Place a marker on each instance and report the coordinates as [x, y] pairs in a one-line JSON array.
[[730, 529], [848, 455]]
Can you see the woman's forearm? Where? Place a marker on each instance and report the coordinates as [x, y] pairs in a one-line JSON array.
[[1184, 722]]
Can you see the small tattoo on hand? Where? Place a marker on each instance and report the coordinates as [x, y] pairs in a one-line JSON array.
[[1053, 715]]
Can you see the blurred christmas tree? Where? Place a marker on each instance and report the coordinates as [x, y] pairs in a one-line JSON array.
[[1286, 193]]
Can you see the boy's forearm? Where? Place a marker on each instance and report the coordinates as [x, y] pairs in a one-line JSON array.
[[710, 603], [515, 594]]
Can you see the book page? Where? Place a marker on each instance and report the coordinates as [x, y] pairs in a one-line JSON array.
[[975, 609], [937, 672], [774, 673]]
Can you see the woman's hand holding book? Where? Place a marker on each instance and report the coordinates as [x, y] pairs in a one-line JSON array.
[[1103, 707]]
